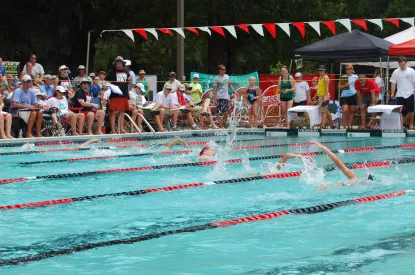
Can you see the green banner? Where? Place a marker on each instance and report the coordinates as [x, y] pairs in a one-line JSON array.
[[237, 81], [12, 67]]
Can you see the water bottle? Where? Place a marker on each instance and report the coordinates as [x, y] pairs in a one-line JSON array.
[[62, 132], [21, 133]]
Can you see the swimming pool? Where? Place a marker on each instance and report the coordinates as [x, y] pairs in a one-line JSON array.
[[377, 237]]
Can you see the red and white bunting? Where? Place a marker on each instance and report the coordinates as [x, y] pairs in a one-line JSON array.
[[270, 27]]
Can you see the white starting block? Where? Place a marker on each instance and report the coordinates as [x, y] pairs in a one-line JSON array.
[[391, 115], [312, 111]]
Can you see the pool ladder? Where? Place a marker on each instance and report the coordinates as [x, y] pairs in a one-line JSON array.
[[135, 125]]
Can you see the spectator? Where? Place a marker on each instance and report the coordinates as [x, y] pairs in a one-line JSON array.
[[38, 71], [379, 81], [196, 90], [119, 103], [136, 102], [81, 74], [4, 87], [165, 107], [403, 79], [2, 68], [286, 87], [183, 100], [301, 94], [60, 102], [127, 67], [368, 94], [102, 75], [173, 81], [47, 87], [348, 98], [221, 95], [201, 109], [91, 76], [90, 110], [322, 97], [142, 79], [25, 98], [30, 72], [313, 88], [5, 122], [95, 88], [253, 95], [64, 80]]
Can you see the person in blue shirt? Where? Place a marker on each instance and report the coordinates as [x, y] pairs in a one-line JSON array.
[[47, 87], [95, 89], [127, 67], [2, 68], [348, 98]]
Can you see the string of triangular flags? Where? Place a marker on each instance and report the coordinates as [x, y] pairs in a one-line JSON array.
[[270, 27]]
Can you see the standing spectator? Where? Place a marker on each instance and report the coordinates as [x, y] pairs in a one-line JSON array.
[[47, 87], [173, 81], [37, 68], [348, 98], [142, 79], [221, 95], [81, 74], [5, 121], [253, 96], [95, 88], [403, 79], [286, 87], [368, 94], [165, 106], [2, 68], [302, 93], [119, 103], [90, 110], [196, 90], [25, 98], [127, 67], [323, 96], [314, 86], [379, 81], [64, 80], [102, 75]]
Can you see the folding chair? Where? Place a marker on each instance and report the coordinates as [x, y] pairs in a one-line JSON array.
[[271, 107]]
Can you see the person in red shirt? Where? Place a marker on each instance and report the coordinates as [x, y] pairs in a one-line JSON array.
[[368, 95]]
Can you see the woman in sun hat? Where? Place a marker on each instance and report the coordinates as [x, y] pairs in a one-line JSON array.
[[142, 79]]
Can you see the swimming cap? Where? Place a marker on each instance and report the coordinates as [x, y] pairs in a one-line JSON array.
[[370, 177], [204, 149]]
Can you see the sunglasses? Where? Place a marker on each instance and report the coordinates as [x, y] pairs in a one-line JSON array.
[[168, 89], [27, 81], [85, 83], [314, 81], [222, 69], [348, 69]]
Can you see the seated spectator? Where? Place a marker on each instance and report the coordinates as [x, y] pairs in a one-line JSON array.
[[368, 95], [165, 106], [81, 74], [142, 79], [173, 81], [2, 68], [64, 80], [30, 72], [90, 110], [5, 121], [102, 75], [183, 100], [47, 87], [38, 72], [4, 87], [91, 76], [60, 103], [253, 96], [25, 98], [136, 102], [127, 67], [201, 109], [95, 88]]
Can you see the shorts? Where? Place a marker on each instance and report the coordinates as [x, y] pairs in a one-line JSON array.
[[348, 100], [119, 104], [222, 107], [285, 99], [367, 99], [408, 104], [85, 113], [322, 104], [197, 111], [301, 103], [169, 112]]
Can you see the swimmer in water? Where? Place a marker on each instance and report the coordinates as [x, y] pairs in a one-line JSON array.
[[94, 140], [206, 153], [336, 160]]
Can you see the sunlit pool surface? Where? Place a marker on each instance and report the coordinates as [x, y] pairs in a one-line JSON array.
[[372, 238]]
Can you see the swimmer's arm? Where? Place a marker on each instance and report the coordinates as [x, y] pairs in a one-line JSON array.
[[286, 157], [337, 161], [94, 140], [175, 142]]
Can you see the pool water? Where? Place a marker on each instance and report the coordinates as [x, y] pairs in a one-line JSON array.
[[372, 238]]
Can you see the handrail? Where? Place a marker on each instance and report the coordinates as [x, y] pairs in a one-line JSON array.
[[133, 123], [147, 123]]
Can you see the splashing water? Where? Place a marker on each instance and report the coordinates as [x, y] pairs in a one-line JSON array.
[[311, 174]]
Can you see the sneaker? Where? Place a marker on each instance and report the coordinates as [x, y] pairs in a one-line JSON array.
[[195, 127], [175, 129]]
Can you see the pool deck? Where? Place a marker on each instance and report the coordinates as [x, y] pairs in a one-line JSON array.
[[267, 132]]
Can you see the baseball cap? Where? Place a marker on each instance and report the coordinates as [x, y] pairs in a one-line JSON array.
[[26, 78], [118, 58], [48, 76], [168, 86], [298, 74], [37, 92], [84, 79], [196, 76], [81, 67], [63, 67], [172, 74], [142, 72], [127, 62], [182, 87], [60, 89], [321, 68], [141, 86], [92, 74], [102, 72]]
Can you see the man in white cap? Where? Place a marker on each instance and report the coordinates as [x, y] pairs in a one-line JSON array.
[[24, 98], [90, 110], [64, 80], [47, 87], [81, 74], [119, 103], [173, 81], [127, 67], [165, 105]]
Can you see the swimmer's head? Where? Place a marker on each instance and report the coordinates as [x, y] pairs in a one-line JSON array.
[[206, 149], [370, 177]]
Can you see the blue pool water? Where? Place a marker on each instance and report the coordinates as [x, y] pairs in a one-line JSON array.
[[373, 238]]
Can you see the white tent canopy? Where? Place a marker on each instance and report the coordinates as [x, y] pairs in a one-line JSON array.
[[402, 36]]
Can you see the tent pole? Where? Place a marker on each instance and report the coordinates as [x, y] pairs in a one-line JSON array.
[[381, 77], [387, 79], [340, 75], [291, 65]]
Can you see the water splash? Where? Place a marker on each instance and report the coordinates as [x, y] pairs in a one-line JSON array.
[[311, 174]]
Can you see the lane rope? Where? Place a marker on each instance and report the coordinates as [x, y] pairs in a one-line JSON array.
[[357, 165], [190, 164], [259, 217], [190, 143], [236, 148]]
